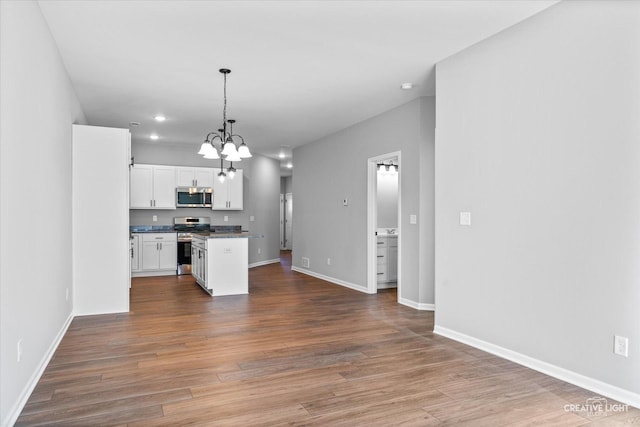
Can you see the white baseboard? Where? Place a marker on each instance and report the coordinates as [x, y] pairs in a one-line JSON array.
[[17, 408], [266, 262], [591, 384], [417, 305], [331, 279], [153, 273]]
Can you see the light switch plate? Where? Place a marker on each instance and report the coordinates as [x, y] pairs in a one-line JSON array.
[[413, 219], [252, 218], [465, 218], [226, 218]]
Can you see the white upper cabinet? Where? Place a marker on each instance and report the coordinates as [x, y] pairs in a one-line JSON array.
[[141, 187], [228, 195], [153, 187], [194, 177]]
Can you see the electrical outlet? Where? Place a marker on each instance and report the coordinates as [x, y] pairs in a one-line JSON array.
[[252, 218], [19, 350], [155, 218], [226, 218], [306, 262], [328, 261], [621, 345]]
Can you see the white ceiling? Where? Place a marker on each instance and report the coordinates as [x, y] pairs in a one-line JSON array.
[[300, 70]]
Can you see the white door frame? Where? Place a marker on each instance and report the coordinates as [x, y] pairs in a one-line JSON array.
[[372, 220], [282, 246]]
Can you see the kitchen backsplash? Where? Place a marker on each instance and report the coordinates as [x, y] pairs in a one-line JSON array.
[[165, 217]]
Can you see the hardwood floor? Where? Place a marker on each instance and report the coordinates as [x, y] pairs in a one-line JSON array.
[[296, 351]]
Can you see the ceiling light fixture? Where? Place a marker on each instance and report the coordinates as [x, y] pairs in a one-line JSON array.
[[160, 118], [406, 86], [228, 148], [154, 136]]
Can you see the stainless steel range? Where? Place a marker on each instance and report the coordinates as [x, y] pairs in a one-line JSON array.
[[185, 227]]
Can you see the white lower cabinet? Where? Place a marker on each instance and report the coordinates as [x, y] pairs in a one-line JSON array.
[[135, 252], [221, 265], [158, 254], [198, 261], [387, 271]]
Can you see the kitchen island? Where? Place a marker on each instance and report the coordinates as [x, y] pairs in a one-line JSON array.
[[220, 262]]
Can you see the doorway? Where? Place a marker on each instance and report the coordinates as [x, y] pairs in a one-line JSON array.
[[286, 221], [384, 265]]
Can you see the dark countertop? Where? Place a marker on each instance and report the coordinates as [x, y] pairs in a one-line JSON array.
[[226, 235], [152, 229]]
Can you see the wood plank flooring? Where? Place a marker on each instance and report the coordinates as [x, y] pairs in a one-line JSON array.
[[296, 351]]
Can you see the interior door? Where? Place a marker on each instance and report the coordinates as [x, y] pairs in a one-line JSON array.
[[288, 220]]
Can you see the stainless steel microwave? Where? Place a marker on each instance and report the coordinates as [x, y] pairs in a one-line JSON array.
[[194, 197]]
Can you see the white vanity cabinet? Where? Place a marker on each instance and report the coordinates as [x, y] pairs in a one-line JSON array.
[[152, 187], [194, 177], [228, 195], [387, 256]]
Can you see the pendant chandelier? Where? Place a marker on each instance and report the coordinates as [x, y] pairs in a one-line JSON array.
[[228, 148]]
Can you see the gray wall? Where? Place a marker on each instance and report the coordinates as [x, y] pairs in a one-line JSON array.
[[37, 107], [538, 137], [324, 228], [261, 196], [286, 184]]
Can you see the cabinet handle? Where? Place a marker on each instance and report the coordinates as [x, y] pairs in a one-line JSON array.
[[151, 203], [380, 256], [380, 274], [381, 243]]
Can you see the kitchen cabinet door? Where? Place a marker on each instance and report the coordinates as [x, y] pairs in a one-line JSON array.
[[228, 195], [194, 177], [141, 187], [184, 177], [203, 177], [164, 187], [150, 255], [152, 187], [220, 192], [168, 256], [235, 192]]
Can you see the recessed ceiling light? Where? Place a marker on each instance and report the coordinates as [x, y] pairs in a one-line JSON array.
[[154, 136], [281, 155], [406, 86], [289, 165], [160, 118]]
